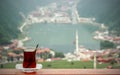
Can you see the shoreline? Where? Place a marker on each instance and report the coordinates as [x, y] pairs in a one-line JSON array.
[[21, 28], [21, 41]]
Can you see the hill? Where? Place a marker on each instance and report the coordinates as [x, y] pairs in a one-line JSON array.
[[105, 11], [10, 18]]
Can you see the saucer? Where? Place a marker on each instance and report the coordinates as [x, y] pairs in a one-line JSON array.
[[29, 70]]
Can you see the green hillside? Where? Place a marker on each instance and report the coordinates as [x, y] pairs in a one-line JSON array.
[[10, 18], [105, 11], [9, 22]]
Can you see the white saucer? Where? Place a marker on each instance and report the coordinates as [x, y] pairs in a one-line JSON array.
[[20, 67]]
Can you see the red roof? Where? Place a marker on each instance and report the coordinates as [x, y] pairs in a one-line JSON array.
[[43, 50], [116, 39]]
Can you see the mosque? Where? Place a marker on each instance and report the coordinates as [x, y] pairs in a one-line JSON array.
[[80, 53]]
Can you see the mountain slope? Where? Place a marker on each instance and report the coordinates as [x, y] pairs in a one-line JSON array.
[[105, 11]]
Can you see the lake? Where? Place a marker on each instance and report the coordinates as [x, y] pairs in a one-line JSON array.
[[61, 37]]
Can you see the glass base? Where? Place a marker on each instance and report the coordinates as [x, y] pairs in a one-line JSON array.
[[29, 70]]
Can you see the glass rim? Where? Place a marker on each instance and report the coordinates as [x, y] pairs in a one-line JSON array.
[[29, 50]]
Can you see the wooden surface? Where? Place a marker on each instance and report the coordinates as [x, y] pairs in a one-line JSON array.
[[63, 72]]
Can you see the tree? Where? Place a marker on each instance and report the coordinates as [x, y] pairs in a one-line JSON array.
[[59, 54], [113, 62], [106, 45]]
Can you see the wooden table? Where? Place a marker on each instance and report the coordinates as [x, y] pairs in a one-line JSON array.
[[63, 72]]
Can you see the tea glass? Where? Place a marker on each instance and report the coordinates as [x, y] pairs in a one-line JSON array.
[[29, 58]]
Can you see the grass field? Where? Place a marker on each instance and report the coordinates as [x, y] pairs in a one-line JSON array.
[[65, 64]]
